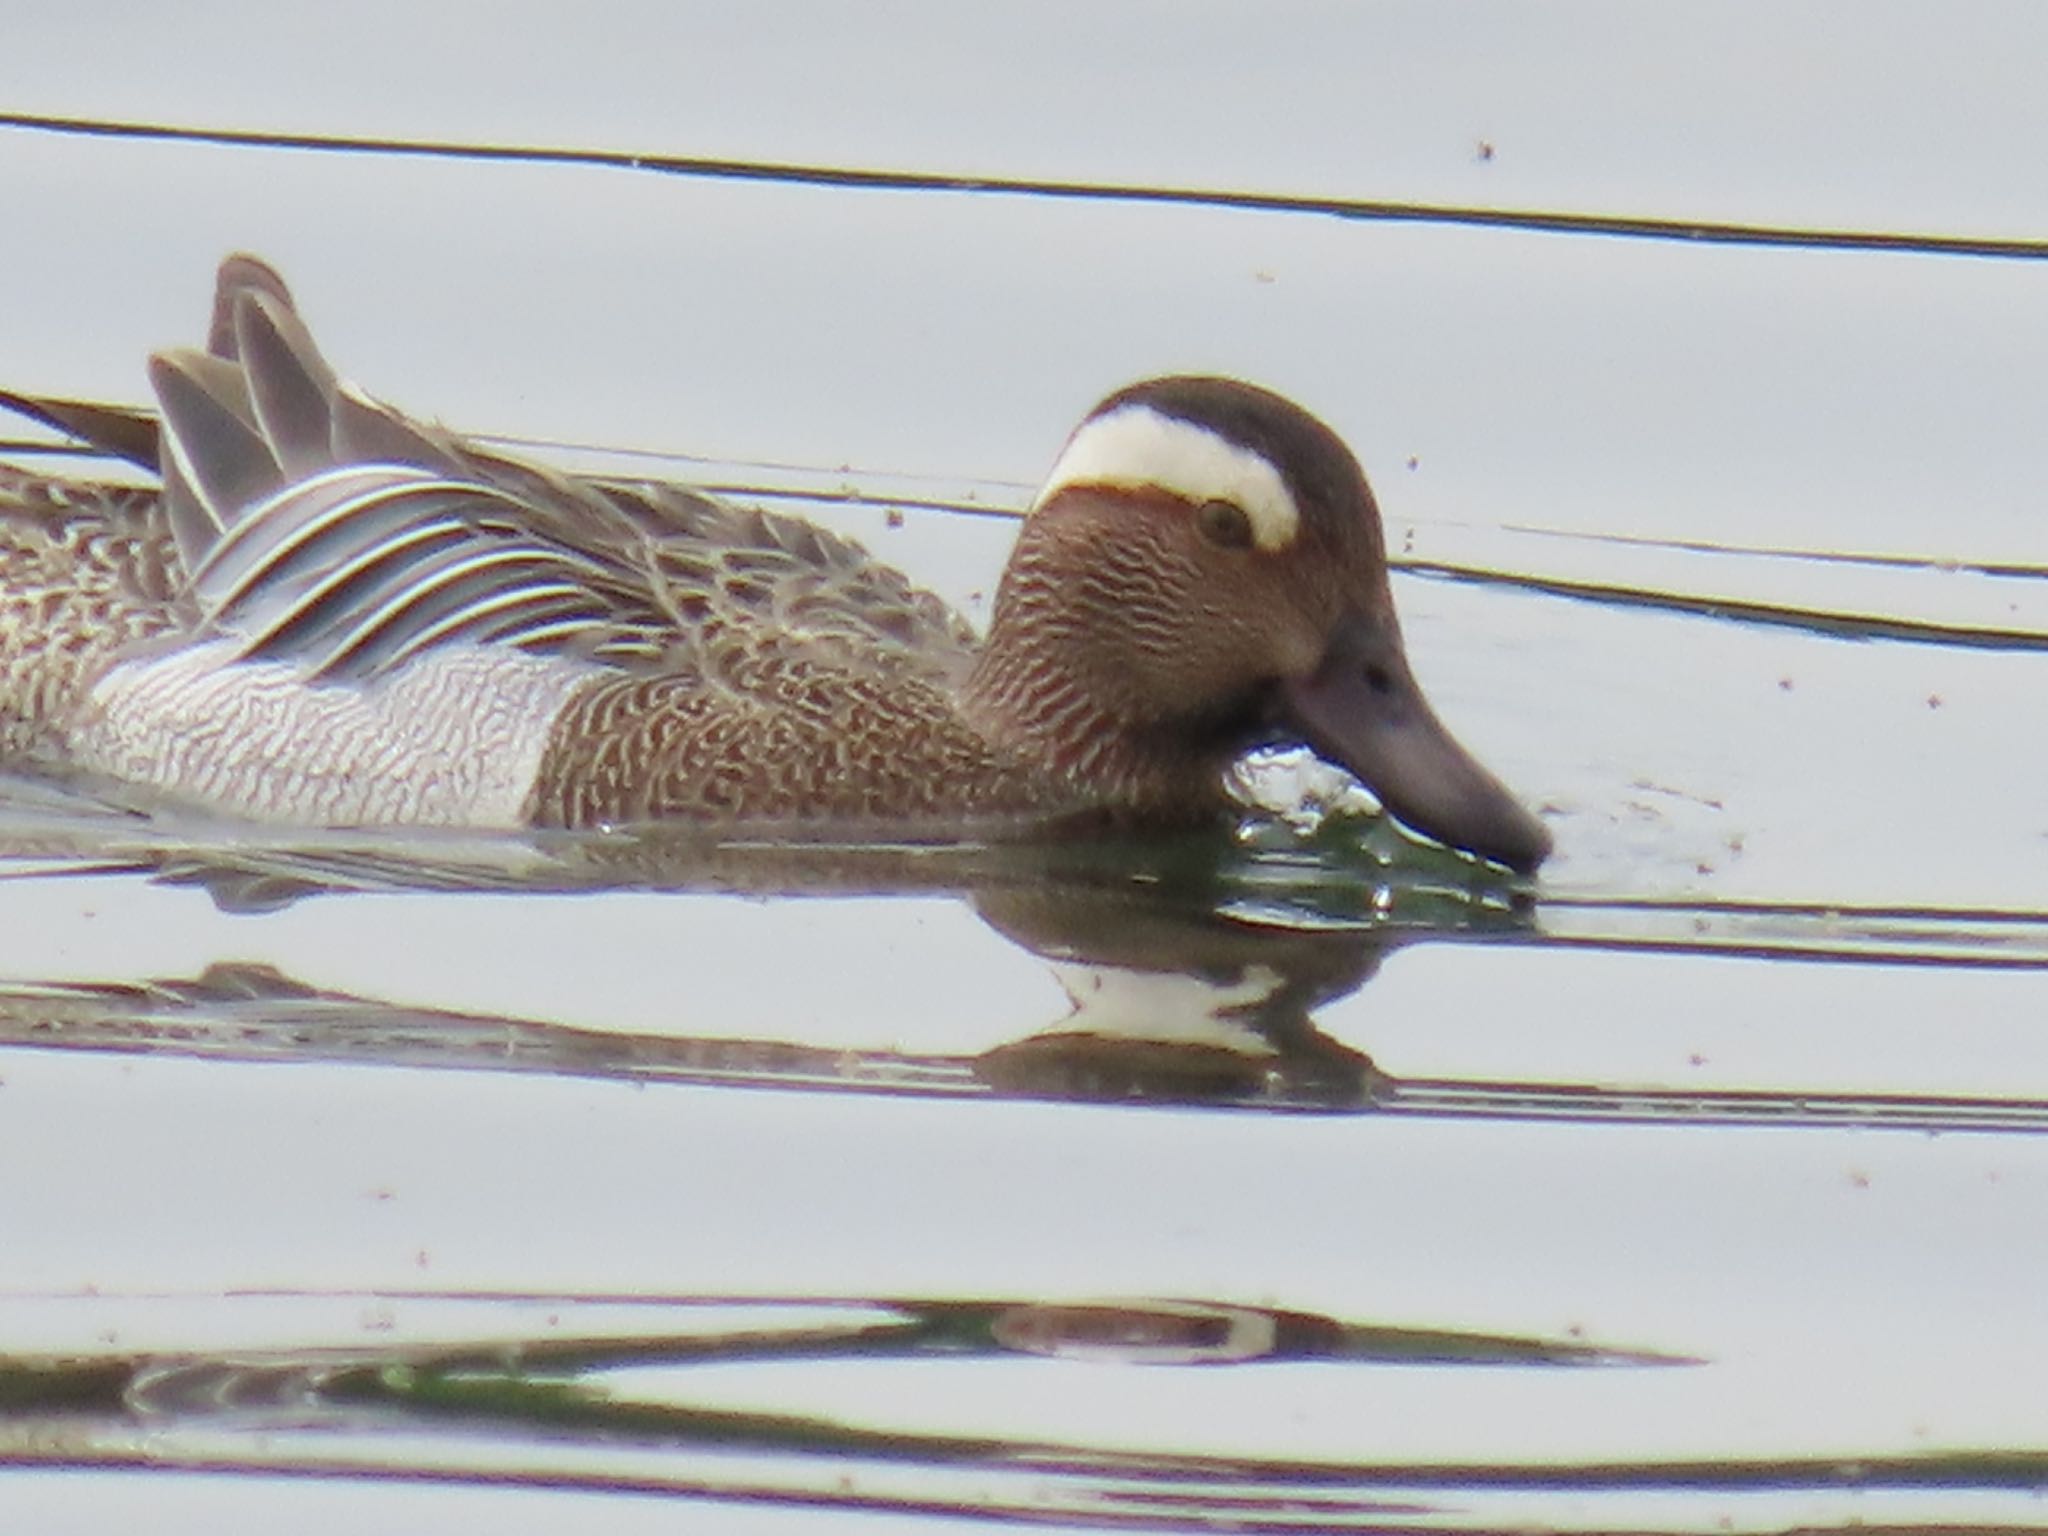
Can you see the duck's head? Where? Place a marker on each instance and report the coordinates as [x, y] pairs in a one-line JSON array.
[[1204, 572]]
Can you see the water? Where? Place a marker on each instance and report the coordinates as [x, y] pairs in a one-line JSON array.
[[1292, 1181]]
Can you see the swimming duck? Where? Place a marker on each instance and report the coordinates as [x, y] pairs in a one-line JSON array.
[[329, 613]]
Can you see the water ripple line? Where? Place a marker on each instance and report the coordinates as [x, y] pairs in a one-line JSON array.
[[867, 178]]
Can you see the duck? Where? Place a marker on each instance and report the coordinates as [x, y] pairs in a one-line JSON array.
[[326, 612]]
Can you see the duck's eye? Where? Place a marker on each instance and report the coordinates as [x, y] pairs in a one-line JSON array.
[[1224, 523]]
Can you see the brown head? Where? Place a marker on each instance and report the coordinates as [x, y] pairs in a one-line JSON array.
[[1204, 572]]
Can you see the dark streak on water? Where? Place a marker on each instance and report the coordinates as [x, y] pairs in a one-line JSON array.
[[1841, 626], [452, 1415], [1691, 231]]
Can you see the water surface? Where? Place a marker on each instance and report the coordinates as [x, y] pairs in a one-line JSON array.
[[1295, 1180]]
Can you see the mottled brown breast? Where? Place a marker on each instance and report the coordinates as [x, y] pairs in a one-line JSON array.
[[775, 734], [86, 571]]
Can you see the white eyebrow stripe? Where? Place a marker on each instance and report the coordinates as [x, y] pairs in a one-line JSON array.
[[1137, 447]]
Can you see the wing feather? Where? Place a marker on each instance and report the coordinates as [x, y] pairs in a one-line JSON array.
[[317, 525]]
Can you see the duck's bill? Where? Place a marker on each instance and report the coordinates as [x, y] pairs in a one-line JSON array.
[[1362, 710]]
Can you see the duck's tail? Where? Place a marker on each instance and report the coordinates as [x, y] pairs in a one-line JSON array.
[[128, 432]]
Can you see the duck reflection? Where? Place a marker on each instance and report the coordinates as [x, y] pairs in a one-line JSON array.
[[1192, 968], [1190, 974], [1182, 1005]]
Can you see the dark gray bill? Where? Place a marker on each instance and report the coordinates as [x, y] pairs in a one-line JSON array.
[[1362, 710]]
